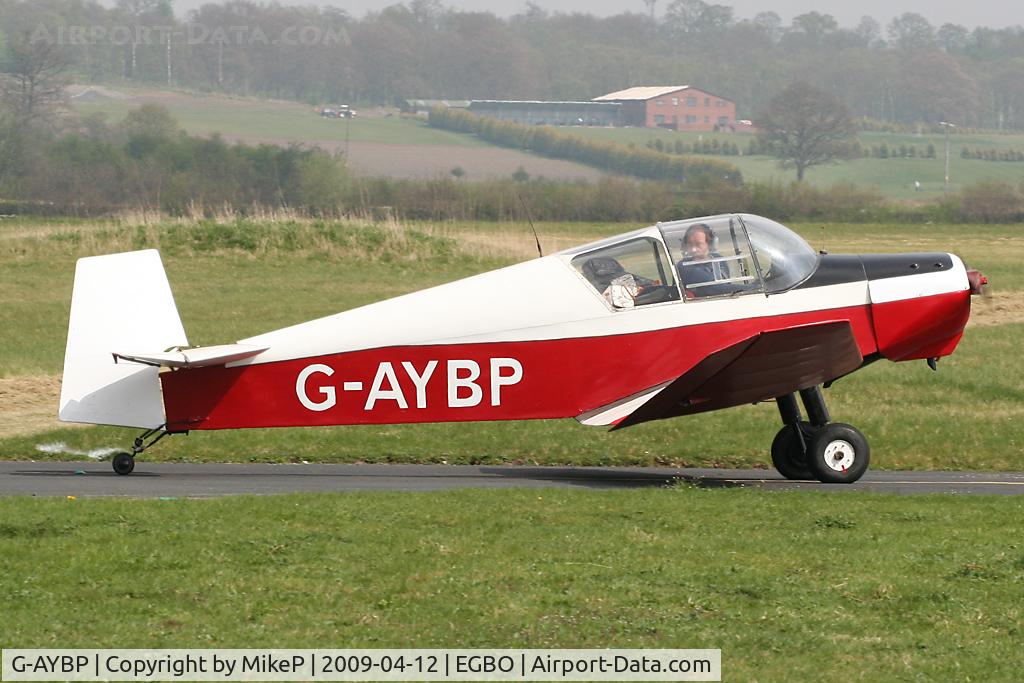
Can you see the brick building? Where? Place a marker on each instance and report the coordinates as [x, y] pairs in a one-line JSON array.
[[678, 107]]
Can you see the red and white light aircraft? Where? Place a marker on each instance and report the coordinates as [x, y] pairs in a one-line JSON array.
[[670, 320]]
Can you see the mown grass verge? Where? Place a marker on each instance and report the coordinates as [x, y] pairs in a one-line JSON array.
[[233, 279], [789, 585]]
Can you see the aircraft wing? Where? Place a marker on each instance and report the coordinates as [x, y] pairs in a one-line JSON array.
[[194, 358], [761, 367]]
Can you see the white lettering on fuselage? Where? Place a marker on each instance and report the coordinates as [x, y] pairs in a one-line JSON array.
[[458, 381], [378, 393], [462, 377], [330, 398]]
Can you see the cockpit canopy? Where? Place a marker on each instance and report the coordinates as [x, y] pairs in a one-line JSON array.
[[716, 256]]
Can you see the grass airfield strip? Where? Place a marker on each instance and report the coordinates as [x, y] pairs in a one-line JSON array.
[[233, 278], [791, 586]]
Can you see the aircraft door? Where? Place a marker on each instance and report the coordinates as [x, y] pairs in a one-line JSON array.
[[713, 257]]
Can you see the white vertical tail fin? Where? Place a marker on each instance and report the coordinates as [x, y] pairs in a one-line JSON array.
[[119, 301]]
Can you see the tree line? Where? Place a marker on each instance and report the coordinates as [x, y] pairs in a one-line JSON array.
[[905, 72], [716, 147], [86, 167], [551, 142]]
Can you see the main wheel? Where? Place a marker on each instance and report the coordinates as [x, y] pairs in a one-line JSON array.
[[787, 453], [123, 463], [838, 454]]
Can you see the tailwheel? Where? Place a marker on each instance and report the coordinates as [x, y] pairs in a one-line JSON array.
[[123, 463], [789, 450], [838, 454]]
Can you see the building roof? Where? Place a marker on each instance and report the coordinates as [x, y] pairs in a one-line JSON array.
[[641, 93], [647, 92], [544, 103], [455, 104]]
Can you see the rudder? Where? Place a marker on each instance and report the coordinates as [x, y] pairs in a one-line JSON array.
[[119, 301]]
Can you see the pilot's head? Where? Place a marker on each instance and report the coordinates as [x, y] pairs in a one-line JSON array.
[[697, 242]]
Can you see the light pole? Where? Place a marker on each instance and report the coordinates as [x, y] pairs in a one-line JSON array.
[[348, 122], [947, 126]]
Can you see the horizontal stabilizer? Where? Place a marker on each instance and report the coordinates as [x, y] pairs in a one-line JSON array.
[[198, 357], [767, 365]]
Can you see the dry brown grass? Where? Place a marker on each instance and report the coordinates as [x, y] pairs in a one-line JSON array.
[[129, 229], [514, 244], [29, 405], [1001, 308]]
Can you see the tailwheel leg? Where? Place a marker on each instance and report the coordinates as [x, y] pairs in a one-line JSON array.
[[124, 462], [836, 453]]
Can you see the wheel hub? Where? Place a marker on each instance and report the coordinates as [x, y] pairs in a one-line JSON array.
[[839, 455]]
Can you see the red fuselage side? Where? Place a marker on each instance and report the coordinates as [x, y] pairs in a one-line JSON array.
[[559, 377]]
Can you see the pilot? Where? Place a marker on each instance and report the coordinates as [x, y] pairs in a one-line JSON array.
[[696, 266]]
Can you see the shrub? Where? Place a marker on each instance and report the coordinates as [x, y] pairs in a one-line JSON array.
[[991, 201], [642, 163]]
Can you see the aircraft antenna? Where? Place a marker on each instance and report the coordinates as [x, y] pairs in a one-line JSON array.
[[529, 218], [823, 251]]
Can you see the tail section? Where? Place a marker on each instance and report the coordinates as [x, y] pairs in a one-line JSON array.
[[119, 301]]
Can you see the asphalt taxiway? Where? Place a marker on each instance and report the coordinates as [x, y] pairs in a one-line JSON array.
[[182, 480]]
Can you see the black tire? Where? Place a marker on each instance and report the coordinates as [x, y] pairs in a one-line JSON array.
[[788, 456], [123, 463], [838, 454]]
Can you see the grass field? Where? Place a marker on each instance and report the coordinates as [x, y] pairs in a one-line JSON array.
[[234, 280], [275, 119], [376, 143], [372, 133], [791, 586], [893, 178]]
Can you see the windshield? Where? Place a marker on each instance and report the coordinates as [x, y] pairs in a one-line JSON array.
[[785, 259]]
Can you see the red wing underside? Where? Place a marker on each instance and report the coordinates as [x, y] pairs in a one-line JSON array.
[[759, 368]]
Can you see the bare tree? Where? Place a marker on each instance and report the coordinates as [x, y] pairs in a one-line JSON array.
[[804, 126], [649, 4], [911, 31], [31, 87], [34, 77]]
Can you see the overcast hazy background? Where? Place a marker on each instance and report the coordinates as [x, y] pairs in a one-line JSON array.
[[990, 13]]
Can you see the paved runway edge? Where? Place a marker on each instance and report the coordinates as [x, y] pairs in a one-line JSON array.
[[184, 480]]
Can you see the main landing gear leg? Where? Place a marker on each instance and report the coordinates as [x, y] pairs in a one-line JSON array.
[[790, 444], [831, 452], [124, 462]]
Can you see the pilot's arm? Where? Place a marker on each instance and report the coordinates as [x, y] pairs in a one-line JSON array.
[[692, 273]]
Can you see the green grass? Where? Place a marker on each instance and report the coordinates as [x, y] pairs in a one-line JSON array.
[[290, 121], [236, 280], [277, 120], [893, 178], [640, 137], [791, 586]]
